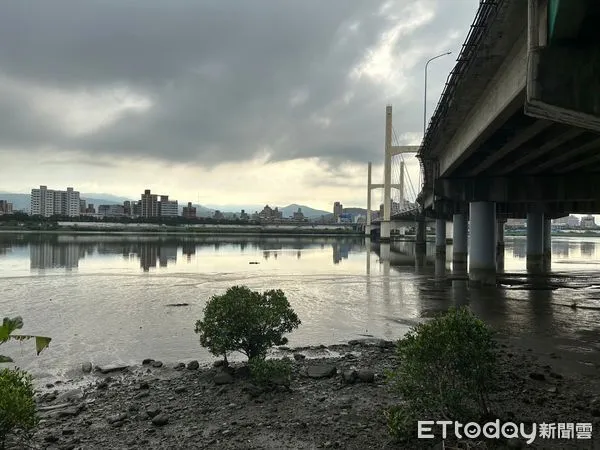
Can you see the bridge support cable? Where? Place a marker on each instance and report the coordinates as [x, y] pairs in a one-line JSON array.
[[408, 194], [411, 187]]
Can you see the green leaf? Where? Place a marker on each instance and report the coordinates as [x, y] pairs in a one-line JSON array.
[[8, 326], [41, 342], [5, 359]]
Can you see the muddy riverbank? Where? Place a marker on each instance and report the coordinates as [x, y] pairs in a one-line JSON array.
[[158, 406]]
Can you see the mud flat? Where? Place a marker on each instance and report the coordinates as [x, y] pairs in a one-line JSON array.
[[336, 400]]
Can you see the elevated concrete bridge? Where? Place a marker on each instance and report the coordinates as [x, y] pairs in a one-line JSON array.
[[516, 131]]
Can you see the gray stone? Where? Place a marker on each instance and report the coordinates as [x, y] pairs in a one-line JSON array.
[[73, 395], [179, 366], [180, 389], [144, 385], [153, 410], [53, 407], [157, 364], [70, 412], [366, 376], [321, 371], [111, 368], [116, 418], [219, 363], [299, 356], [147, 362], [253, 391], [160, 420], [52, 438], [223, 378], [193, 365], [49, 396], [349, 376], [86, 367], [537, 376]]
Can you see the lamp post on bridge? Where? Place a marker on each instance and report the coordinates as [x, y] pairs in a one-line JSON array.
[[425, 98], [425, 91]]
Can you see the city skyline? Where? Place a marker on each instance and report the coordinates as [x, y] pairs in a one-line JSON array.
[[213, 116]]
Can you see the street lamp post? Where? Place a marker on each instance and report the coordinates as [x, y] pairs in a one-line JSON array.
[[425, 92], [425, 98]]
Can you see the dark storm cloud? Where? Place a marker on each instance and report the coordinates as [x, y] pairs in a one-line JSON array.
[[220, 74]]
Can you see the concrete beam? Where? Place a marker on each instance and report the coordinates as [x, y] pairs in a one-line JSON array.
[[565, 156], [502, 98], [563, 85], [521, 138], [398, 149], [579, 164], [381, 186], [532, 154], [521, 189]]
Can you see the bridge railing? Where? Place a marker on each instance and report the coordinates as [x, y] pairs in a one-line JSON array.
[[485, 15]]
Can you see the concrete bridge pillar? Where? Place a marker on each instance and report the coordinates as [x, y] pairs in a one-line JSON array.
[[482, 264], [460, 239], [500, 235], [500, 245], [535, 241], [420, 234], [440, 237], [547, 243], [385, 230]]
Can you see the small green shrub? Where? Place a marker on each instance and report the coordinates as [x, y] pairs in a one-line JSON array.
[[267, 372], [17, 404], [446, 369], [246, 321]]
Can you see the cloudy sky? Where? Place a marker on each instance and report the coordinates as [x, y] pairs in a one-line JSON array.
[[228, 102]]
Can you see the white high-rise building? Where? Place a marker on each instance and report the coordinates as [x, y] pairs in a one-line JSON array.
[[168, 208], [48, 202]]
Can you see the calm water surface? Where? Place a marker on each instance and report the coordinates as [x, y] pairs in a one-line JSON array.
[[105, 299]]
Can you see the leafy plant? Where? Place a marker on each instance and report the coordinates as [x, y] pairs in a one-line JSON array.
[[17, 404], [446, 369], [246, 321], [267, 372], [6, 334]]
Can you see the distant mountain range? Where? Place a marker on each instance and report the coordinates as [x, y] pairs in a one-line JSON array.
[[22, 202]]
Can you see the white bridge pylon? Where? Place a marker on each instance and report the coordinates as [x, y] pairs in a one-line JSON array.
[[389, 152]]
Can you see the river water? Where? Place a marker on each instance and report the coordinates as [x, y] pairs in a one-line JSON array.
[[106, 298]]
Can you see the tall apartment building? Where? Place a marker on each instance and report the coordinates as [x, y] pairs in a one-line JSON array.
[[338, 209], [189, 211], [5, 207], [48, 202], [111, 210], [588, 221], [168, 208], [149, 204]]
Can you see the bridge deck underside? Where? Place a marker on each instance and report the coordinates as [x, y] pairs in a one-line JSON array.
[[525, 146], [524, 155]]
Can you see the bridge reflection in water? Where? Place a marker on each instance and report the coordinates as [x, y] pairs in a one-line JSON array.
[[526, 305], [405, 256]]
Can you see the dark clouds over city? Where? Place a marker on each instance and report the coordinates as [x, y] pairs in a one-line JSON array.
[[203, 83]]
